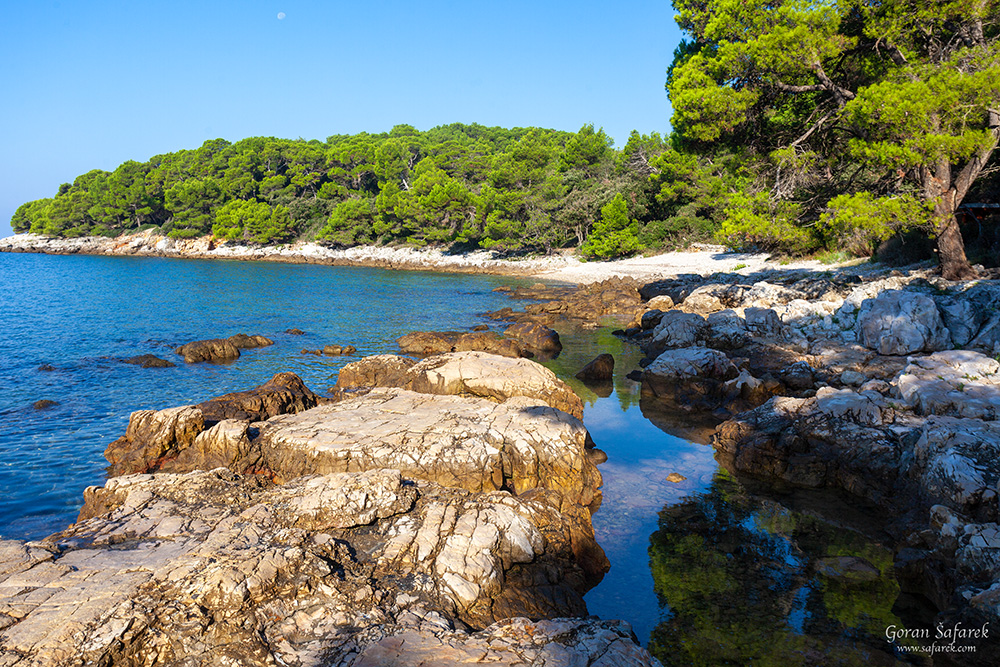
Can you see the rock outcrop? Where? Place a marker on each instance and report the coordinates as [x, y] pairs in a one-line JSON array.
[[425, 343], [390, 527], [166, 439], [217, 568], [220, 350], [472, 373]]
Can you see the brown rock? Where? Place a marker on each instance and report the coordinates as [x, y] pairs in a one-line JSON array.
[[245, 342], [44, 404], [215, 350], [283, 394], [600, 369], [149, 361]]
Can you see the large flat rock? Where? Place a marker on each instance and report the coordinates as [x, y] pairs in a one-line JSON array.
[[216, 568], [461, 441]]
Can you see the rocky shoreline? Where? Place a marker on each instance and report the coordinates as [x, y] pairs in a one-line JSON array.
[[557, 267], [442, 507], [275, 526]]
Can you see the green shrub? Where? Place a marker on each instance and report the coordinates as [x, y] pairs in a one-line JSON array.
[[756, 222], [614, 235]]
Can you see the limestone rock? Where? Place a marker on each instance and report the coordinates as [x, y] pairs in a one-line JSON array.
[[900, 323], [459, 441], [383, 370], [676, 329], [427, 342], [473, 373], [485, 341], [512, 643], [216, 568], [689, 376], [961, 383], [726, 331], [150, 436], [175, 439]]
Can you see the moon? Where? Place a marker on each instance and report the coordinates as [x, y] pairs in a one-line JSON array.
[[281, 15]]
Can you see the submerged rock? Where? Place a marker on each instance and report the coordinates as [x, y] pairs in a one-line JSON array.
[[149, 361]]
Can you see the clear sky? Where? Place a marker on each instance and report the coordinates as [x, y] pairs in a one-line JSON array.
[[89, 85]]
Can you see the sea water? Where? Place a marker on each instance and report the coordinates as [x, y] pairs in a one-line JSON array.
[[689, 558]]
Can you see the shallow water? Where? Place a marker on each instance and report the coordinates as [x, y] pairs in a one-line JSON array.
[[82, 315]]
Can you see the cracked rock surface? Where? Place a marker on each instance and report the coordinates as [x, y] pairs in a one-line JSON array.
[[389, 528]]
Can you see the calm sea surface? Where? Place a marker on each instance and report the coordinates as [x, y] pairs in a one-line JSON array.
[[689, 559]]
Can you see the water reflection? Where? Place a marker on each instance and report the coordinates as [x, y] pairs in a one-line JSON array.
[[744, 580]]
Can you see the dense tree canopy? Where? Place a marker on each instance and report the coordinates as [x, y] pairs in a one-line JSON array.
[[511, 190], [896, 101]]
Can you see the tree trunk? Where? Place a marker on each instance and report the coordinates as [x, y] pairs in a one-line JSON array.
[[938, 189], [951, 247]]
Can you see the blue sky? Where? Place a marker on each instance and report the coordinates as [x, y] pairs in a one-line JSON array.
[[91, 84]]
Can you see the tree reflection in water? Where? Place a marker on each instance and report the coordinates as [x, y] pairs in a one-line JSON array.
[[742, 580]]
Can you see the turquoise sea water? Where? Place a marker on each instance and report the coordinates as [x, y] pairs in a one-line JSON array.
[[681, 553]]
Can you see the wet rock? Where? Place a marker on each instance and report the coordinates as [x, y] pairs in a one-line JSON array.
[[149, 361], [44, 404], [215, 350], [245, 342], [46, 368], [465, 373], [535, 337], [676, 477], [900, 323], [295, 332], [601, 369], [691, 376]]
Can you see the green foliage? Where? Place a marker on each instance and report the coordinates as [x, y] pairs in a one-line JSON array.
[[757, 222], [859, 223], [614, 235], [252, 221], [824, 100]]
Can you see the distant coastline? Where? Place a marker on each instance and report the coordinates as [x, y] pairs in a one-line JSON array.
[[562, 267]]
